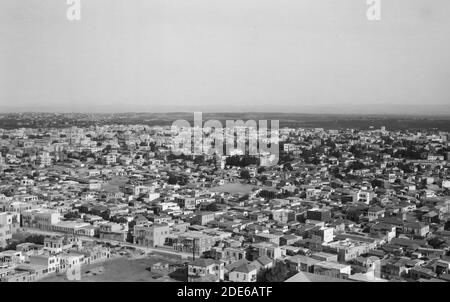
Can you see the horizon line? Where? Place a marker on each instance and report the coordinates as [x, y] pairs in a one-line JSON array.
[[406, 114]]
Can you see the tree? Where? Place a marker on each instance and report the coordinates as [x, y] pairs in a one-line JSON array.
[[122, 220], [212, 207], [244, 197], [287, 167], [436, 242], [72, 215], [447, 225], [182, 180], [36, 239], [10, 246], [357, 165], [199, 160], [279, 273], [245, 174], [172, 180], [267, 194], [241, 161]]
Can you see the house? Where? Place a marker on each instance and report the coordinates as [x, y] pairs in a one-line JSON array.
[[202, 218], [430, 217], [71, 260], [206, 269], [193, 242], [322, 234], [228, 254], [322, 256], [70, 227], [319, 215], [9, 222], [58, 244], [348, 247], [374, 213], [243, 273], [365, 265], [150, 235], [289, 239], [265, 237], [29, 249], [262, 262], [11, 256], [281, 215], [394, 268], [364, 196], [50, 262], [42, 219], [387, 230], [332, 269], [311, 277], [113, 231], [268, 249], [300, 263], [416, 228], [421, 273]]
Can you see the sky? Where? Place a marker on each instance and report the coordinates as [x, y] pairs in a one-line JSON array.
[[306, 56]]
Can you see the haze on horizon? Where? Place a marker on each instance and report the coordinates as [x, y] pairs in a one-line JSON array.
[[307, 56]]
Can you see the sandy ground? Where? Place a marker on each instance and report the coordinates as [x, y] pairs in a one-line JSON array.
[[234, 188], [120, 269], [238, 188]]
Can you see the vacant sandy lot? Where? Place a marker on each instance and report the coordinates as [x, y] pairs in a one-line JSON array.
[[118, 270], [234, 188]]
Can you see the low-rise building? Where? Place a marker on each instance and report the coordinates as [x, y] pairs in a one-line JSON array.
[[151, 235]]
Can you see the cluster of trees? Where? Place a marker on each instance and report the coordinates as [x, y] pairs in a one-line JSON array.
[[36, 239], [447, 225], [267, 194], [72, 215], [278, 273], [152, 145], [409, 153], [272, 194], [244, 197], [356, 165], [310, 156], [245, 174], [182, 180], [181, 156], [436, 242], [212, 207], [358, 151], [407, 168], [286, 194], [285, 157], [8, 192], [242, 160], [336, 172]]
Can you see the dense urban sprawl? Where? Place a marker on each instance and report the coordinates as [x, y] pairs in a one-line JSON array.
[[340, 205]]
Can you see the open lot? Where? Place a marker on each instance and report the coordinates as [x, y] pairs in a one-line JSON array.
[[119, 270], [234, 188]]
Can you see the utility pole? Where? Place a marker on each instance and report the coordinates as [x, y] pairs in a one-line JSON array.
[[193, 250]]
